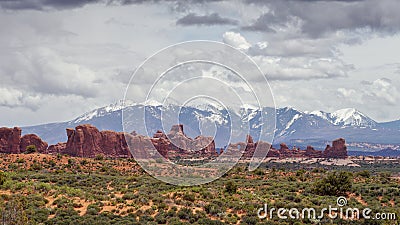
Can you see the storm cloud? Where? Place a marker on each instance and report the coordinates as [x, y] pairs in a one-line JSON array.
[[210, 19], [44, 4], [318, 18], [60, 58]]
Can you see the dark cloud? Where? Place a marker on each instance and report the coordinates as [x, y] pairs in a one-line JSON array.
[[44, 4], [63, 4], [264, 1], [266, 23], [365, 82], [317, 18], [211, 19], [67, 4], [314, 18]]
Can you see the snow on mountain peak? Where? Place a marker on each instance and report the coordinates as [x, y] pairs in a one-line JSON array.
[[321, 114], [101, 111], [249, 106], [346, 117], [351, 117], [345, 113], [208, 106], [343, 117], [151, 102]]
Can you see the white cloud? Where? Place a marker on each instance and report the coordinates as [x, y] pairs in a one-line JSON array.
[[301, 68], [383, 90], [347, 93], [55, 65], [236, 40], [43, 71], [14, 98]]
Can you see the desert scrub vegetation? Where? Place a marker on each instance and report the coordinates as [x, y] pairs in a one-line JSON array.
[[335, 183], [67, 190]]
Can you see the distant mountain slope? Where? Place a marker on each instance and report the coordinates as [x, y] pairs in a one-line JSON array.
[[347, 117], [292, 126], [384, 153]]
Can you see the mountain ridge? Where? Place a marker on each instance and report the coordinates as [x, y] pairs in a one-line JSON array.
[[292, 125]]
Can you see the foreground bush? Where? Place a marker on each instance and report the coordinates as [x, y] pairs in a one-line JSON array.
[[335, 184]]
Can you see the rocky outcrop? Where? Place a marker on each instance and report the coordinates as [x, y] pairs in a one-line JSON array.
[[33, 139], [250, 147], [87, 141], [273, 153], [12, 142], [177, 129], [177, 144], [185, 145], [312, 153], [338, 149], [141, 146], [57, 148], [283, 147]]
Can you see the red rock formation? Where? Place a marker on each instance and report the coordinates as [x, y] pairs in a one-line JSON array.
[[84, 141], [58, 148], [338, 149], [251, 148], [177, 129], [141, 146], [273, 153], [161, 144], [113, 144], [249, 139], [184, 146], [159, 134], [206, 145], [284, 147], [312, 153], [10, 140], [33, 139], [87, 141]]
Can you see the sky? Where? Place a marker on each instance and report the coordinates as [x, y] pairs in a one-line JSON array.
[[60, 59]]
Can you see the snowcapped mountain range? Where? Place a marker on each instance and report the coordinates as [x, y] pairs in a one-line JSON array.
[[293, 127], [346, 117]]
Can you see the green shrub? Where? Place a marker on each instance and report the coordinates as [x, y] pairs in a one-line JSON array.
[[213, 209], [99, 157], [189, 197], [20, 161], [93, 209], [71, 162], [3, 177], [30, 149], [13, 213], [250, 220], [230, 187], [36, 166], [185, 213], [335, 184], [52, 163], [364, 173]]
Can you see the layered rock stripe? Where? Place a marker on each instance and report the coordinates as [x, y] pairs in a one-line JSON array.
[[87, 141]]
